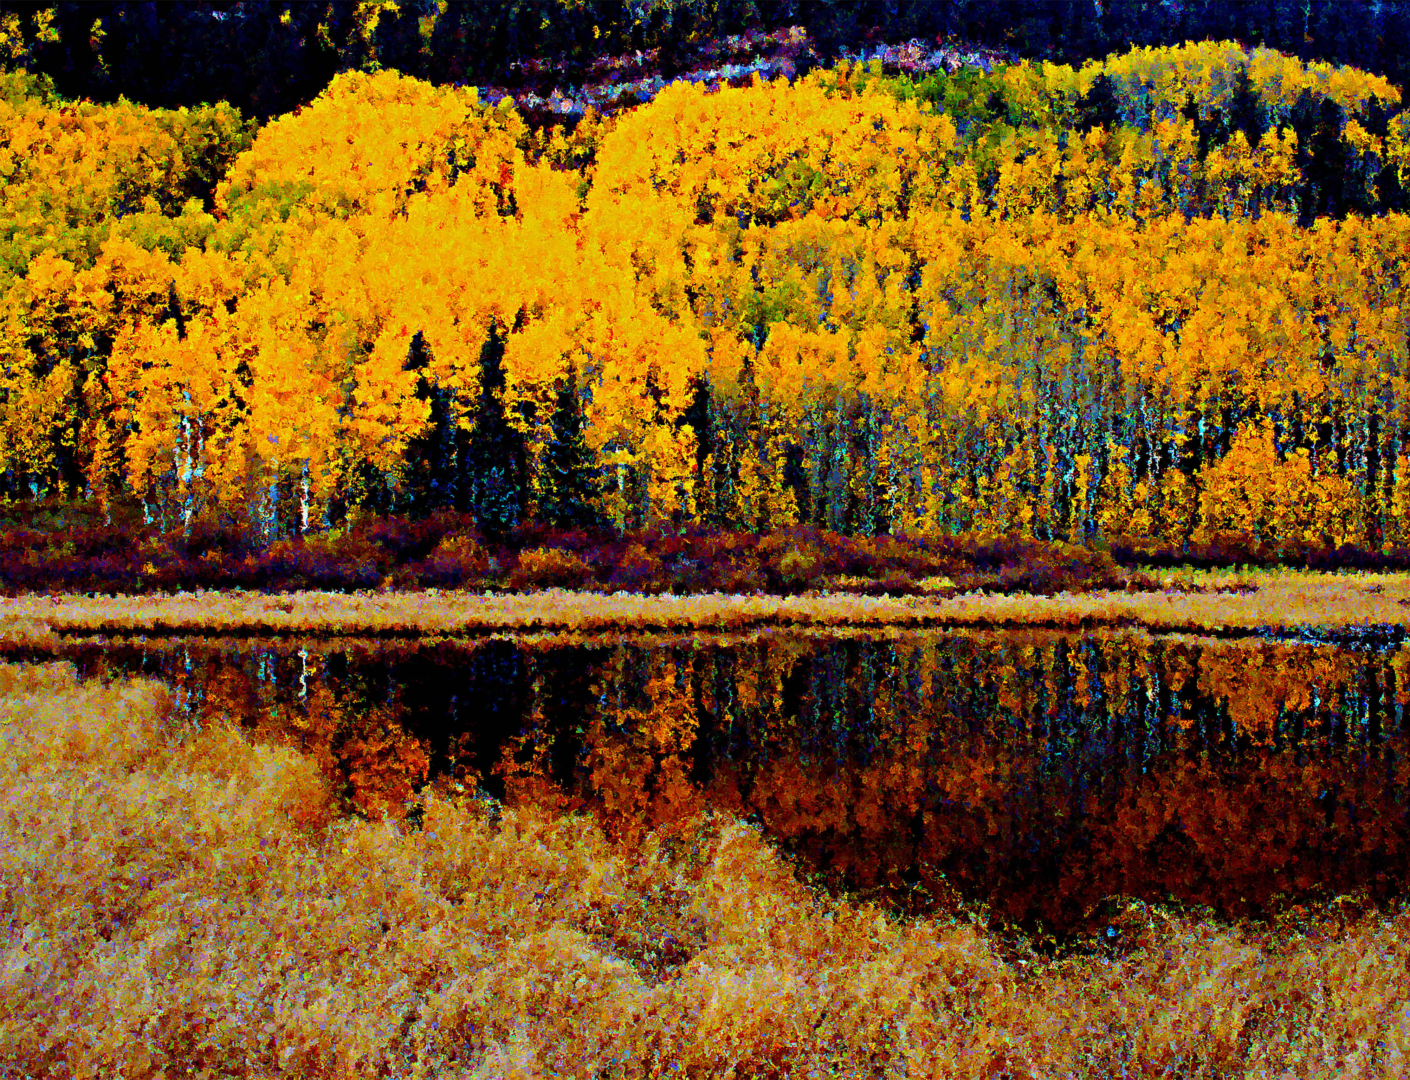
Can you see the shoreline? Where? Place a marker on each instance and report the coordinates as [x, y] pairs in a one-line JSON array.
[[1281, 600]]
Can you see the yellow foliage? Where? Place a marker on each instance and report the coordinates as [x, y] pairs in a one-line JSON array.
[[799, 254], [1249, 491], [370, 142]]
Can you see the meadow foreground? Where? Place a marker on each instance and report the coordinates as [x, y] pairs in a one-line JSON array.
[[182, 900]]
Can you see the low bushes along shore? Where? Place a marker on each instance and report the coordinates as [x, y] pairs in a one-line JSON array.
[[71, 548]]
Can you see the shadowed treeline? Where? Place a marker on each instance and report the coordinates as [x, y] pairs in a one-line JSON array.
[[267, 59]]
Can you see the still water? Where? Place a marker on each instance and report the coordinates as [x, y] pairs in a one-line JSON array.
[[1035, 772]]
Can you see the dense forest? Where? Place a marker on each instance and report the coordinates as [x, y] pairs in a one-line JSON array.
[[1153, 298]]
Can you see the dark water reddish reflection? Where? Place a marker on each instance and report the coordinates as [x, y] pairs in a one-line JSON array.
[[1038, 773]]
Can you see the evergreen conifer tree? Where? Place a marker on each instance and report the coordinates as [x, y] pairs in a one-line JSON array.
[[1099, 107], [568, 475], [494, 460], [434, 460]]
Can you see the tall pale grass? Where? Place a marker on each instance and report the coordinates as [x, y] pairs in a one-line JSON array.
[[1283, 598], [181, 902]]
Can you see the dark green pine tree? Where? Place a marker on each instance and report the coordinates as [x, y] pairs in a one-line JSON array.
[[1099, 107], [1322, 156], [434, 459], [568, 479], [1245, 111], [495, 456]]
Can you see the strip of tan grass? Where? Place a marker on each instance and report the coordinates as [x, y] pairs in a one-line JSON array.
[[1283, 598], [176, 902]]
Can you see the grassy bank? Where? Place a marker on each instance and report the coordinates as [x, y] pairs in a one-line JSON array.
[[184, 902], [1258, 598]]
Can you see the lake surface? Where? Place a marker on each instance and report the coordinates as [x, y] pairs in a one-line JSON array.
[[1036, 772]]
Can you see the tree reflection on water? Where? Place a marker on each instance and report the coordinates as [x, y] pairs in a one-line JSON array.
[[1037, 772]]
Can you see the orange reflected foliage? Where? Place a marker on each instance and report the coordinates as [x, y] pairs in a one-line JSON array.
[[1258, 684], [365, 755], [640, 768], [385, 765], [956, 792], [524, 766], [794, 798], [1038, 769]]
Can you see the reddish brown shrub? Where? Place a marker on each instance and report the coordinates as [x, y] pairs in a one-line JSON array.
[[457, 560], [639, 570], [549, 568]]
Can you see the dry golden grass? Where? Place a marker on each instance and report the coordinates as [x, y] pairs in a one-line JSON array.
[[183, 903], [1282, 598]]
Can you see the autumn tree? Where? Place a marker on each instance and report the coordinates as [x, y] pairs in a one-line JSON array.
[[846, 299]]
